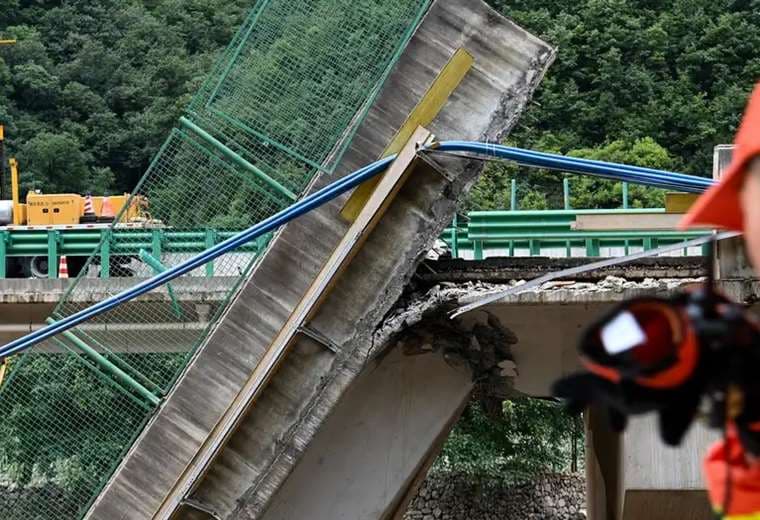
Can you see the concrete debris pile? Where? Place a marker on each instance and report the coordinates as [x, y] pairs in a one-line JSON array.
[[480, 344], [551, 497]]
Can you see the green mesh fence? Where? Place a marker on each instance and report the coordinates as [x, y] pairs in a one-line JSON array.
[[281, 103]]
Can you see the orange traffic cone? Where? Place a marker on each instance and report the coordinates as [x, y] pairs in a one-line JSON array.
[[89, 211], [106, 212], [63, 267]]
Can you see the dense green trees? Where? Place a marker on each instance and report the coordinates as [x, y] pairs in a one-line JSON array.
[[533, 436], [112, 76], [98, 83]]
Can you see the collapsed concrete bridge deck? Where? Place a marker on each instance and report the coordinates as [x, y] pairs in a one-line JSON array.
[[219, 447]]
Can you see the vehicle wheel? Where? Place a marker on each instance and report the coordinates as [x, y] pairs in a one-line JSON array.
[[38, 267]]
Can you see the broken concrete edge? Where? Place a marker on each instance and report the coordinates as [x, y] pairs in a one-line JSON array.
[[505, 269], [440, 299]]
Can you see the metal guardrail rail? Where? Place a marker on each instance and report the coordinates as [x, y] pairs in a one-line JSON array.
[[506, 231], [534, 231], [107, 243]]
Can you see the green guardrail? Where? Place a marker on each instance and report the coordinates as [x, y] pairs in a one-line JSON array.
[[480, 231], [108, 243], [537, 230]]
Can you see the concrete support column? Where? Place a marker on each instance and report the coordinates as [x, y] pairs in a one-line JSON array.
[[603, 464]]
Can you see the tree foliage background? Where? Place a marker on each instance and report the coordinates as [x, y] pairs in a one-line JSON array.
[[93, 86], [655, 83]]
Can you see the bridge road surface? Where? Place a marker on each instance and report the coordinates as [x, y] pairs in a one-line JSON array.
[[189, 464], [26, 303]]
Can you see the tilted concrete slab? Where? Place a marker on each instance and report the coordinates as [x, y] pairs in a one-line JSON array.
[[250, 468], [370, 447]]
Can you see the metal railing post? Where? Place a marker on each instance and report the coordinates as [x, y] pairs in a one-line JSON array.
[[105, 254], [455, 236], [52, 254], [101, 360], [566, 192], [477, 249], [625, 195], [210, 241], [159, 268], [513, 195], [3, 254], [237, 159], [156, 242]]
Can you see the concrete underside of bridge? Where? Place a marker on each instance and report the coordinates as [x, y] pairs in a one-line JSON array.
[[211, 451]]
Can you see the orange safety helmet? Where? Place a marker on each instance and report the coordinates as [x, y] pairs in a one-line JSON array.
[[719, 205]]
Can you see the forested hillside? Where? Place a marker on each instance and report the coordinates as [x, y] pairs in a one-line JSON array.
[[652, 82], [93, 86]]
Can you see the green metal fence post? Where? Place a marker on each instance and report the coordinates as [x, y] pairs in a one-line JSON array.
[[535, 247], [647, 243], [455, 237], [158, 267], [513, 195], [625, 195], [566, 200], [511, 248], [210, 242], [477, 249], [105, 254], [592, 247], [52, 254], [110, 367], [236, 158], [3, 254], [155, 242]]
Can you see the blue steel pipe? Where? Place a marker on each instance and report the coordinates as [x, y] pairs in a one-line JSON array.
[[301, 207], [635, 174], [580, 160], [613, 171]]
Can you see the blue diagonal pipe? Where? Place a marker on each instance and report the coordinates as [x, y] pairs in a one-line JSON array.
[[294, 211], [613, 171], [634, 174]]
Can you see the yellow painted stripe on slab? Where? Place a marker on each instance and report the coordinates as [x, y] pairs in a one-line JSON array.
[[679, 202], [427, 109]]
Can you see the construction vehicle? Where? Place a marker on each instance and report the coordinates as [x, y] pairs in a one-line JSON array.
[[58, 211]]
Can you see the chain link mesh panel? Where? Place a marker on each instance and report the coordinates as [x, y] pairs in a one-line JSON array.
[[280, 104], [281, 77]]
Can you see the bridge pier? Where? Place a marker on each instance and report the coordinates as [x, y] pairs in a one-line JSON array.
[[366, 456]]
